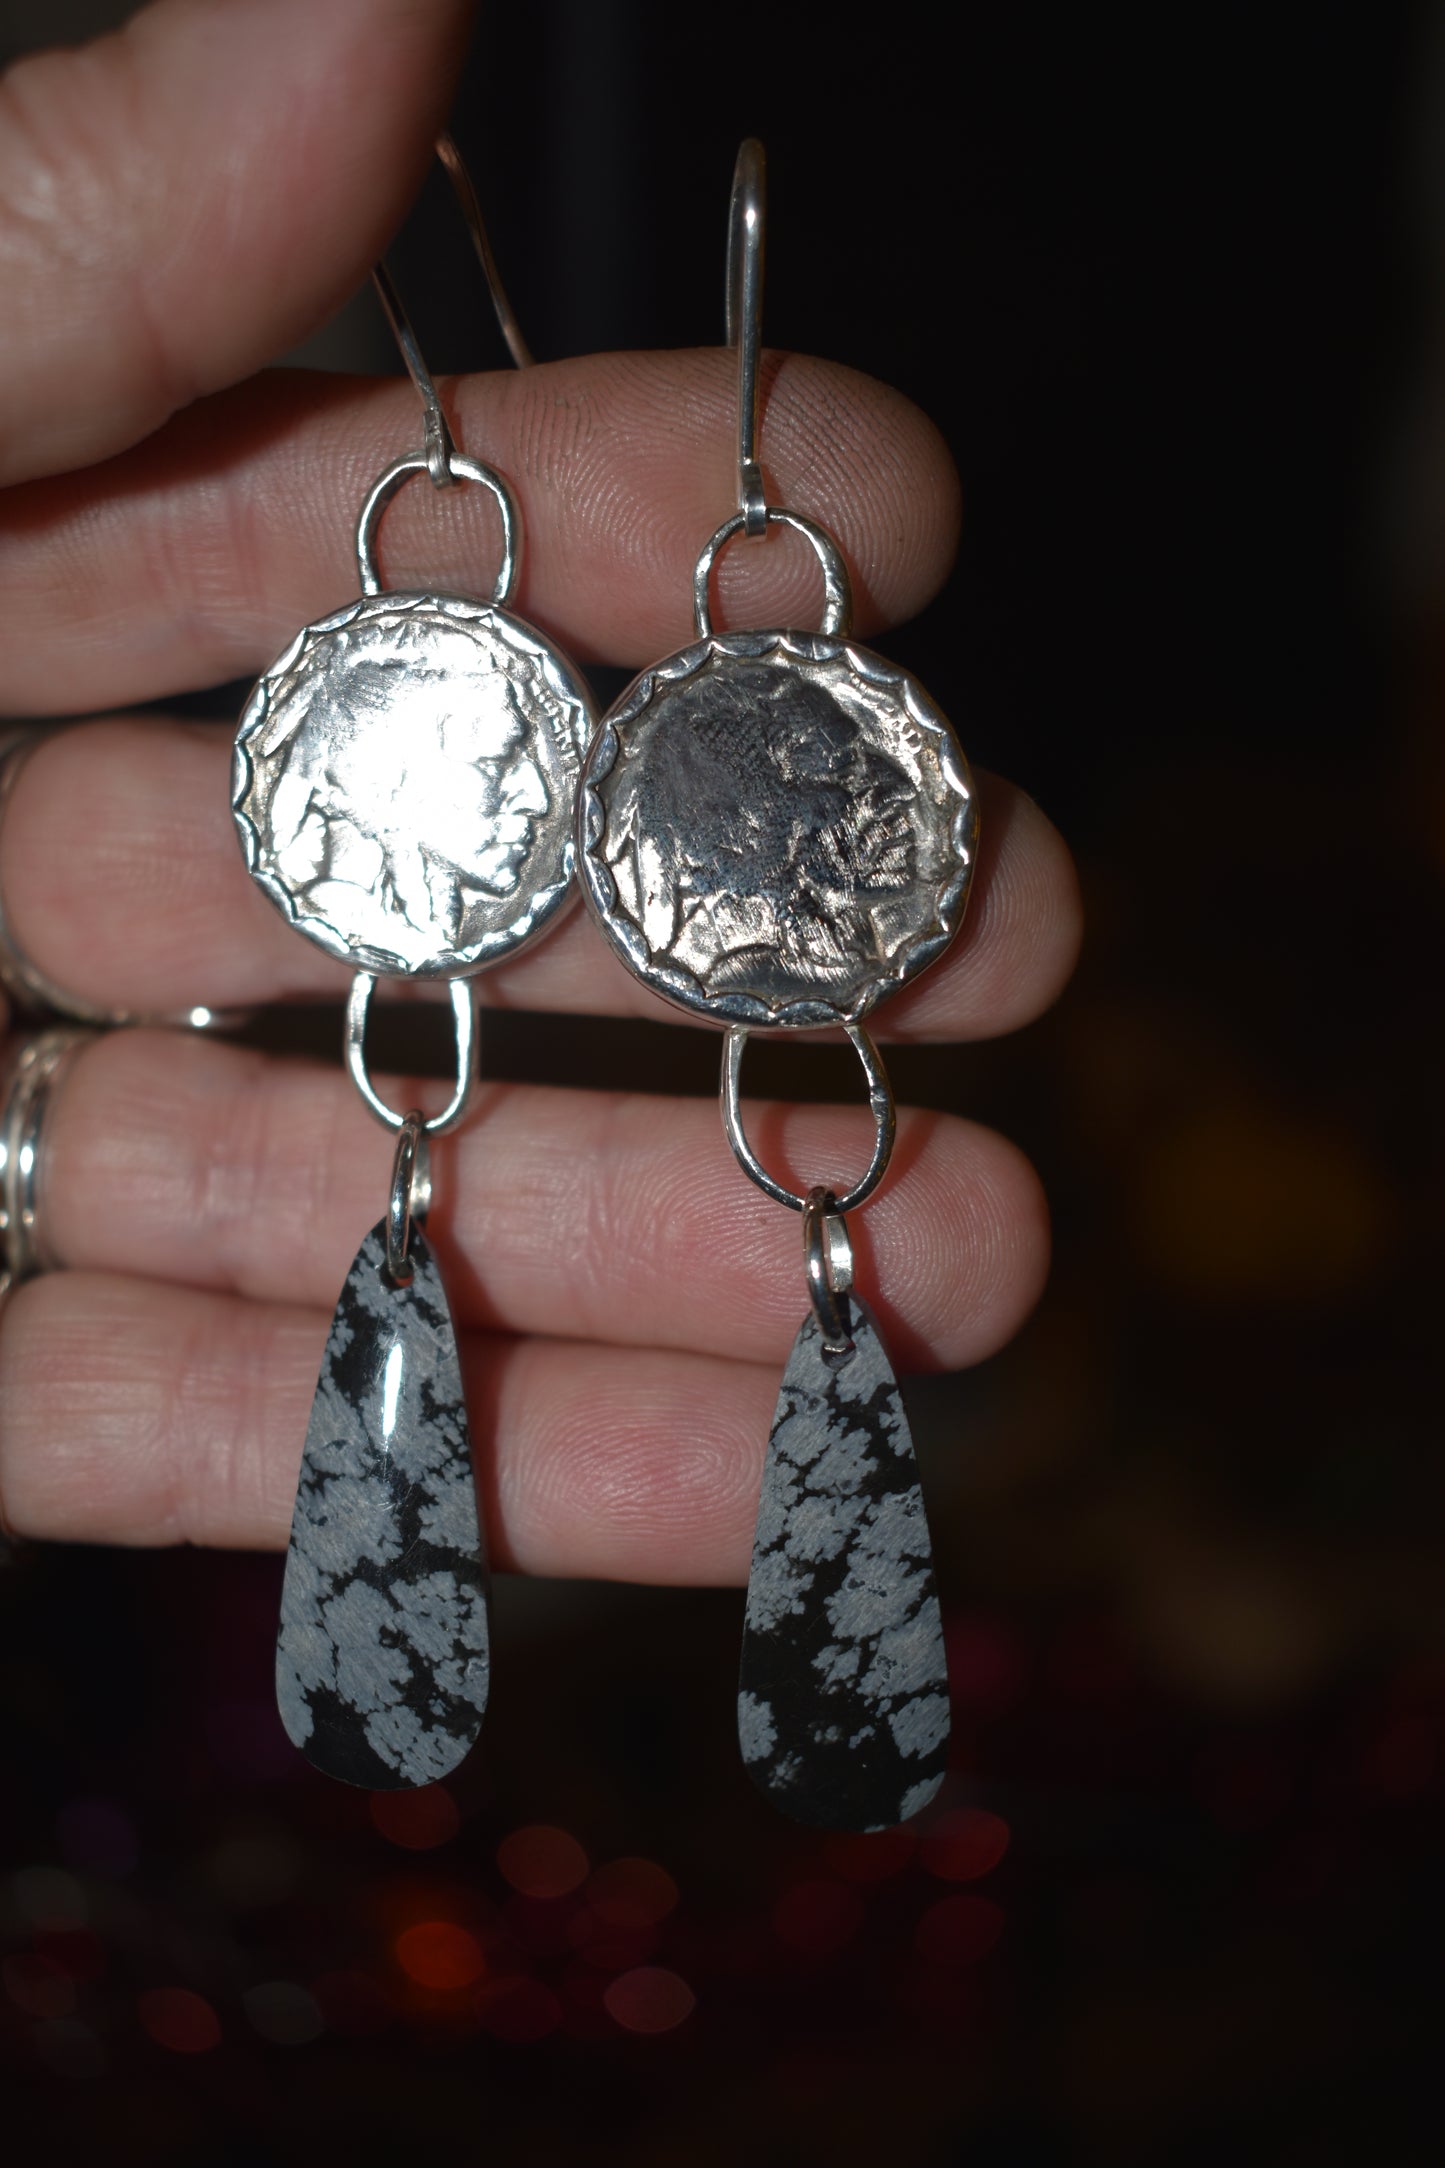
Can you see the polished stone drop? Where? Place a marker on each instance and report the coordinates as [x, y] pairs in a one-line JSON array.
[[843, 1689], [382, 1658]]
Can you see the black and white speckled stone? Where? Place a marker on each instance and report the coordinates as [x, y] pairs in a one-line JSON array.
[[843, 1688], [382, 1659]]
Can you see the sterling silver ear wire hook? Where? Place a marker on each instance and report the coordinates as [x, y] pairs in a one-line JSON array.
[[745, 321], [438, 442]]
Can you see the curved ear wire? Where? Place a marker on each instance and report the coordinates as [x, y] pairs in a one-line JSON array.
[[439, 444], [745, 321]]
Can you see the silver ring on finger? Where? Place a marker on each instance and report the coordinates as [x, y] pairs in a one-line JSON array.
[[33, 988], [36, 1068]]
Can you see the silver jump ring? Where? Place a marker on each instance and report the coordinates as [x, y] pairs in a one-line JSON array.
[[880, 1101], [828, 1263], [358, 1001], [462, 469], [37, 1068], [837, 592], [745, 321], [35, 989], [410, 1195]]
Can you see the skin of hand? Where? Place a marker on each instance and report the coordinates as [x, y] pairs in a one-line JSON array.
[[169, 518]]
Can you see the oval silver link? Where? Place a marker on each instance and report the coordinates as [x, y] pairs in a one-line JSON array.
[[828, 1263], [358, 1001], [880, 1101], [410, 1173], [745, 321], [837, 590], [385, 487]]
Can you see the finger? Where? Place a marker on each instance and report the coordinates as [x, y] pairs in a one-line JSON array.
[[184, 199], [593, 1215], [197, 556], [131, 1412], [157, 911]]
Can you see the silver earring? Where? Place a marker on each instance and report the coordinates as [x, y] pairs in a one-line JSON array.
[[403, 785], [777, 829]]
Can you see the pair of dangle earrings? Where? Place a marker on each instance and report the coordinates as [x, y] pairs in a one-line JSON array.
[[774, 829]]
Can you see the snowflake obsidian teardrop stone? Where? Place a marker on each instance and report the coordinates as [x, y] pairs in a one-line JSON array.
[[843, 1691], [382, 1659]]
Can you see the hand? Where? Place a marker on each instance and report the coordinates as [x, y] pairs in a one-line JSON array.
[[177, 205]]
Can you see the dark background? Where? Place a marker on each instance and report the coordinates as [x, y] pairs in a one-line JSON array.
[[1170, 284]]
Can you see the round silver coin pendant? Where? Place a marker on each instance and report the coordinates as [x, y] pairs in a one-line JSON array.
[[404, 782], [776, 828]]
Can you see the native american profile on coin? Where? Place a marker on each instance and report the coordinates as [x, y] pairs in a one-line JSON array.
[[763, 841], [411, 785]]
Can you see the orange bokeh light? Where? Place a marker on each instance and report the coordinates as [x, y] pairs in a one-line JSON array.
[[540, 1861], [439, 1955]]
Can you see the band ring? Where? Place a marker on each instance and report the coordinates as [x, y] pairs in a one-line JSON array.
[[33, 988], [37, 1066]]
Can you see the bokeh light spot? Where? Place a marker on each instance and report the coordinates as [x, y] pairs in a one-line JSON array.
[[632, 1893], [958, 1930], [282, 2011], [178, 2020], [417, 1820], [817, 1918], [964, 1846], [540, 1861], [439, 1955], [649, 1999]]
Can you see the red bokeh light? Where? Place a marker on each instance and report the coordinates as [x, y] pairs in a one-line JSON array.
[[817, 1918], [418, 1820], [440, 1956], [649, 1999], [631, 1893], [179, 2020], [964, 1846], [540, 1861], [958, 1930]]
